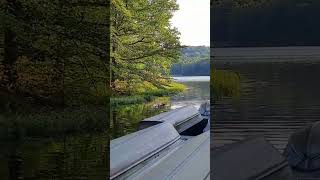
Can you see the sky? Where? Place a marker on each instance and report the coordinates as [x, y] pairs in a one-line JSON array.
[[193, 21]]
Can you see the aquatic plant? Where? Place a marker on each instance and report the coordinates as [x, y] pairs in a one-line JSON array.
[[224, 83], [125, 118]]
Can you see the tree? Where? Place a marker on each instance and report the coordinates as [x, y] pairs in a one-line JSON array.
[[71, 34], [10, 44], [143, 44]]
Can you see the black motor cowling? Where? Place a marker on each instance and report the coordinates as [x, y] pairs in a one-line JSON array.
[[303, 149]]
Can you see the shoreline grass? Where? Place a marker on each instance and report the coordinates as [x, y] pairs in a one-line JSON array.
[[147, 95]]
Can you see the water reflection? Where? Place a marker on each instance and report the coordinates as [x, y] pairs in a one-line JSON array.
[[125, 119], [72, 157], [276, 99], [198, 91]]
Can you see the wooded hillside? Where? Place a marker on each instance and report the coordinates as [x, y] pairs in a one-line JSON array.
[[194, 61], [265, 23]]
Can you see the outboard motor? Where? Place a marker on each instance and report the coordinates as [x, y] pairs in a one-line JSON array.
[[204, 110], [303, 152]]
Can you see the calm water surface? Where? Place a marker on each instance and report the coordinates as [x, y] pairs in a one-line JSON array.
[[276, 99], [125, 119], [198, 91], [69, 157]]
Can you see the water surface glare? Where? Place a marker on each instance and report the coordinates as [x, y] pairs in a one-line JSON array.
[[192, 78]]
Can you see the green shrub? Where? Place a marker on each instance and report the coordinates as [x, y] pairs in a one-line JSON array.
[[148, 94]]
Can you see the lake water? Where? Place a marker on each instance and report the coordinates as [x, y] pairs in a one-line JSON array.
[[277, 97], [198, 91], [70, 157], [125, 119]]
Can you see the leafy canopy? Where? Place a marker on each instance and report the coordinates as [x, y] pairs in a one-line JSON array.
[[143, 43], [73, 33]]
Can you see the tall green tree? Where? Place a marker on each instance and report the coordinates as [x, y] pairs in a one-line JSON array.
[[71, 34], [143, 43]]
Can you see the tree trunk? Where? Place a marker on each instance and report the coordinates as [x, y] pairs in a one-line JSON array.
[[113, 60], [10, 50], [10, 59]]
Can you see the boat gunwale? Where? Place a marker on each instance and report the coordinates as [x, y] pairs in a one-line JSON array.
[[145, 158], [168, 113], [149, 154]]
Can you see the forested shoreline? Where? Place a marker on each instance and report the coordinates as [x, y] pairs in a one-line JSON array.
[[143, 48], [56, 56], [249, 23], [194, 61]]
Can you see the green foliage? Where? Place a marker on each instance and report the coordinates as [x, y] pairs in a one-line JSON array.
[[125, 118], [72, 35], [124, 100], [146, 92], [144, 45], [148, 88], [193, 54]]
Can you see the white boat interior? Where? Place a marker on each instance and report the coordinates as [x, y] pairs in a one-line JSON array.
[[162, 151], [187, 120]]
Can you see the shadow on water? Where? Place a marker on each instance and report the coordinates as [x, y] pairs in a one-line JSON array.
[[125, 118], [71, 157]]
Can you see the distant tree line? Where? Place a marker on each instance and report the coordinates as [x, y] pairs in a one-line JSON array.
[[194, 61], [265, 22]]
